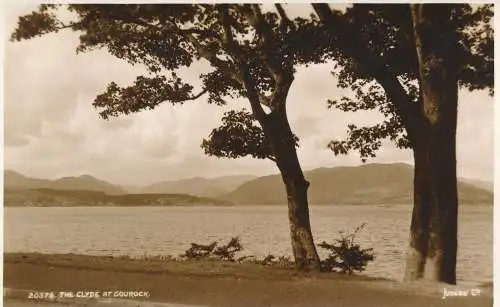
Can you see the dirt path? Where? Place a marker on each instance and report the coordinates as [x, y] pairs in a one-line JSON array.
[[219, 285]]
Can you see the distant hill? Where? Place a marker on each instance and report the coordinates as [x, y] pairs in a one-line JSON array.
[[483, 184], [132, 189], [202, 187], [74, 198], [207, 187], [365, 184], [14, 180]]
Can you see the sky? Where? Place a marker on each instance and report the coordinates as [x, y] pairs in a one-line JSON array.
[[51, 129]]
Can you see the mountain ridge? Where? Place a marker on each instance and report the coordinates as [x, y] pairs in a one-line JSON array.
[[373, 183], [367, 183], [15, 180], [200, 186]]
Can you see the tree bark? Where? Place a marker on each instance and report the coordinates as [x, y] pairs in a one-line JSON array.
[[419, 227], [277, 129], [433, 239], [442, 242], [278, 132], [433, 231]]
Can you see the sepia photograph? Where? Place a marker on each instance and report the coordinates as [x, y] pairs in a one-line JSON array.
[[248, 154]]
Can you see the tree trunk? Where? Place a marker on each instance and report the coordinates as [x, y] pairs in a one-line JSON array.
[[304, 250], [442, 242], [277, 131], [433, 231], [435, 211], [419, 228], [279, 134]]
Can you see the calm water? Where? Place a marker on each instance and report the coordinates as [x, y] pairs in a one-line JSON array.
[[262, 229]]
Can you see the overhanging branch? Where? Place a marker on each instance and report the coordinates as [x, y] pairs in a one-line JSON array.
[[282, 77], [284, 17], [198, 95], [255, 98], [409, 112]]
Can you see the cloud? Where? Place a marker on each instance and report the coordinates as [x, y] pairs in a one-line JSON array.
[[116, 123], [475, 131]]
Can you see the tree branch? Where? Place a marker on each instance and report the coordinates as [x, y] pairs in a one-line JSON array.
[[409, 112], [211, 57], [71, 25], [205, 53], [255, 17], [204, 91], [228, 38], [255, 98], [283, 78], [284, 17], [145, 93]]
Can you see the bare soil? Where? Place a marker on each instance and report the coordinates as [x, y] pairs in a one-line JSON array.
[[212, 283]]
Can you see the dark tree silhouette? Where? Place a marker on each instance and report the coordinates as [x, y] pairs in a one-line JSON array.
[[407, 61], [251, 53]]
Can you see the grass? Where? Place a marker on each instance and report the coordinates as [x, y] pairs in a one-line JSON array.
[[157, 264]]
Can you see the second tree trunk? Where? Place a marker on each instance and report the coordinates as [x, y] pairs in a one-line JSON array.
[[433, 240], [283, 143]]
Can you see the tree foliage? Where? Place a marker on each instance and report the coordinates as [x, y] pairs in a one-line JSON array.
[[238, 135], [372, 46], [169, 38], [374, 50]]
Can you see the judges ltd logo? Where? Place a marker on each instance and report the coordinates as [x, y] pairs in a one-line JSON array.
[[460, 292]]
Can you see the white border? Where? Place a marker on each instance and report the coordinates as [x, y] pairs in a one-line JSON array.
[[496, 215], [496, 165]]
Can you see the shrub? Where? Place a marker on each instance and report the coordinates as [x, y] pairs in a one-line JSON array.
[[224, 252], [228, 251], [346, 256], [199, 251], [268, 259], [285, 262]]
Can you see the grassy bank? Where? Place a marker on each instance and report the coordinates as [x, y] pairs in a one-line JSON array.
[[215, 283]]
